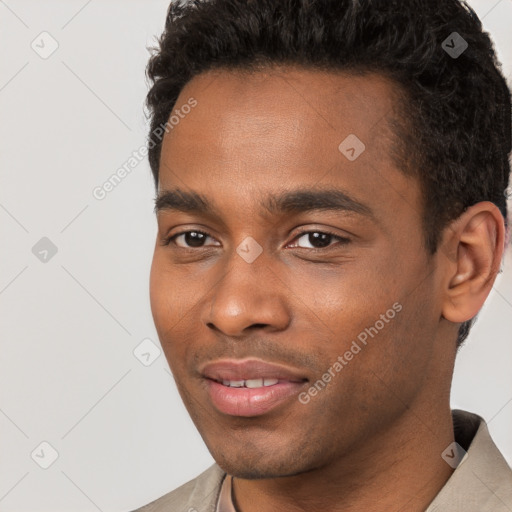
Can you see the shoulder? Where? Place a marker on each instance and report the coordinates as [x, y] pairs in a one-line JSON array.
[[197, 495], [482, 480]]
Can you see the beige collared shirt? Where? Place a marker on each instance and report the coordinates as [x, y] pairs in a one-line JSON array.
[[481, 482]]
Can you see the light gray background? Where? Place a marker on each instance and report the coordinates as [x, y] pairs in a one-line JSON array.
[[68, 375]]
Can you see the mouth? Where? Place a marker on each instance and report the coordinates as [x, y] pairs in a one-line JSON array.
[[249, 383], [250, 387]]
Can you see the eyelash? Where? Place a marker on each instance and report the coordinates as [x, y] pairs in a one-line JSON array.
[[342, 241]]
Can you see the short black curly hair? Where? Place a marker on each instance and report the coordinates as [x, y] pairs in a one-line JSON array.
[[455, 130]]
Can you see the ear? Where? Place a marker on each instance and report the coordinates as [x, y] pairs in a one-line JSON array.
[[476, 243]]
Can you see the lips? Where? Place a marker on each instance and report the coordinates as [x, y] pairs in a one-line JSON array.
[[236, 370], [251, 387]]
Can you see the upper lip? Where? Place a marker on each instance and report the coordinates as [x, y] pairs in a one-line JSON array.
[[233, 369]]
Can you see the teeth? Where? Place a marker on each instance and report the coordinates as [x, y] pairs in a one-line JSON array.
[[254, 383], [233, 383], [250, 383]]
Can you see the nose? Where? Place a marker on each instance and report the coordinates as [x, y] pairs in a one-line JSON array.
[[248, 296]]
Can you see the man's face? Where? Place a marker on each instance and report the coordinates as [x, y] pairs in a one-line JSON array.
[[277, 285]]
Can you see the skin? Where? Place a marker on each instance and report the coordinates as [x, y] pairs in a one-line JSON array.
[[372, 438]]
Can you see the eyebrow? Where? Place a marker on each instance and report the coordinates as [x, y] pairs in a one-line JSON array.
[[295, 201]]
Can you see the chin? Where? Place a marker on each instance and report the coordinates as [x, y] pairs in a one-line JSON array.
[[254, 466], [253, 473]]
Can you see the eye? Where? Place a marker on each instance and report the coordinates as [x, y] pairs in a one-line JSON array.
[[319, 239], [191, 239], [196, 239]]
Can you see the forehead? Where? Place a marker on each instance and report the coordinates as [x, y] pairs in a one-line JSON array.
[[287, 103], [271, 129]]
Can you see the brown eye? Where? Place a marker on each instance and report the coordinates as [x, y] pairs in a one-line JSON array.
[[188, 239], [319, 239]]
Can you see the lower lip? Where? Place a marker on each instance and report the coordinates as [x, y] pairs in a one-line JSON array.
[[251, 401]]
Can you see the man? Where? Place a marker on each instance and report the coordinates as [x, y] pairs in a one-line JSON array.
[[331, 206]]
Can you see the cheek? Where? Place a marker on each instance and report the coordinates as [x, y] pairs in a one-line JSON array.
[[366, 312], [166, 306], [345, 300], [174, 300], [157, 292], [171, 295]]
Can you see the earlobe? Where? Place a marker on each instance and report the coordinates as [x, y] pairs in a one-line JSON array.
[[479, 238]]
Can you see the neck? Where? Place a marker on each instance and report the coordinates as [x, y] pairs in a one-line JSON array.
[[399, 469]]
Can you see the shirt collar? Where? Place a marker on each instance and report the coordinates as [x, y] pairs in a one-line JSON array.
[[225, 503], [482, 482]]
